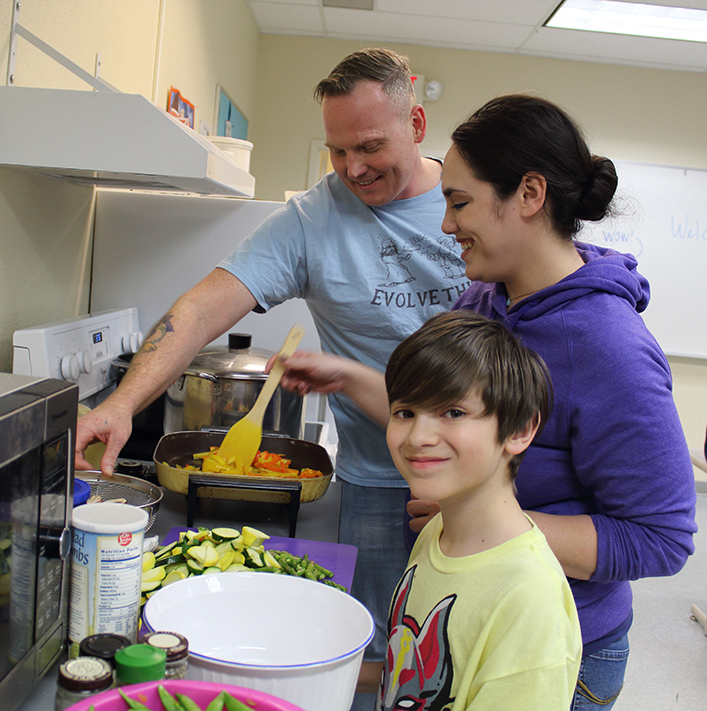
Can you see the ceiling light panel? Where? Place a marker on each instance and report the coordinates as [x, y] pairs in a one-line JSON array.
[[629, 18]]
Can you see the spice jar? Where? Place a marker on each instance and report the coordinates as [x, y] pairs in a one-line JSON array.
[[80, 678], [138, 663], [103, 646], [177, 648]]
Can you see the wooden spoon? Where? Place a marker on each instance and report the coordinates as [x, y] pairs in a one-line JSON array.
[[241, 443]]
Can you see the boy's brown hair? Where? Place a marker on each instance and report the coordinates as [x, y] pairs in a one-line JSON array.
[[459, 352]]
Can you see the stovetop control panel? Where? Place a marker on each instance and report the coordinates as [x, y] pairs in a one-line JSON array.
[[79, 350]]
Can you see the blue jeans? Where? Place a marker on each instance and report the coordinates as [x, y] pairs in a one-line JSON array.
[[372, 520], [601, 676]]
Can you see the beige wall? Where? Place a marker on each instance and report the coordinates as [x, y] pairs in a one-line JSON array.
[[628, 114], [631, 114], [147, 45]]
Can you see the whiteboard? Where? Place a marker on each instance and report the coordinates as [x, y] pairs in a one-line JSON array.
[[663, 223]]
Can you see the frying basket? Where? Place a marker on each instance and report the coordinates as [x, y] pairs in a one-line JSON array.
[[136, 492]]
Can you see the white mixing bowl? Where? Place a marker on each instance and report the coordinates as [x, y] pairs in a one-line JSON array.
[[296, 639]]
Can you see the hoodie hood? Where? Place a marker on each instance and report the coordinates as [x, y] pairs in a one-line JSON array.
[[605, 270]]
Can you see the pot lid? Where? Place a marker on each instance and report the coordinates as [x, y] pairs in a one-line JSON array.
[[238, 360]]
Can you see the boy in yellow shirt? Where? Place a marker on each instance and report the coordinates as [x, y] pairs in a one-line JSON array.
[[483, 618]]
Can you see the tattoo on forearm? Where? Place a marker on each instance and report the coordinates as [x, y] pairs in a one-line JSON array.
[[157, 333]]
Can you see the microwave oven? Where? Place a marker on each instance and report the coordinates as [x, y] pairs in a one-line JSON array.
[[37, 430]]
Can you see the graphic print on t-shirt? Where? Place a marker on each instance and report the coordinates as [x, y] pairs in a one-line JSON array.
[[446, 252], [395, 255], [417, 671]]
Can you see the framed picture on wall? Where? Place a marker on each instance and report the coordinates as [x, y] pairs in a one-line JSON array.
[[227, 117]]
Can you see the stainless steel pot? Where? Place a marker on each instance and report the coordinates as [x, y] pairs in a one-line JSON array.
[[221, 385]]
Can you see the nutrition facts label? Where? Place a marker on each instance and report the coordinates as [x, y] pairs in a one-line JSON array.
[[105, 585]]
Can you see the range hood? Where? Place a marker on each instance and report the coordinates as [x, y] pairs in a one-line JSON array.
[[111, 139]]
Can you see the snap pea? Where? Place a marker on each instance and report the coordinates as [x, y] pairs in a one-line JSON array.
[[186, 703], [233, 704], [168, 701], [217, 703], [135, 705]]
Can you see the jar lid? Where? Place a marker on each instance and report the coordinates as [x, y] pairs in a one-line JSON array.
[[103, 645], [239, 362], [82, 490], [175, 645], [85, 674], [140, 662]]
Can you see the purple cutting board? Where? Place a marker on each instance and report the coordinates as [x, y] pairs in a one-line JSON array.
[[340, 558]]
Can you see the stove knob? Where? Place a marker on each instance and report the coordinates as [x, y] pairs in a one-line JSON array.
[[85, 362], [132, 342], [69, 367]]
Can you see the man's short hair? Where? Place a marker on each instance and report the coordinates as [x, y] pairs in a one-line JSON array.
[[457, 353], [374, 64]]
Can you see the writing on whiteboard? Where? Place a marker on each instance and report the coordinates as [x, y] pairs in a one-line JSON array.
[[688, 228], [623, 241]]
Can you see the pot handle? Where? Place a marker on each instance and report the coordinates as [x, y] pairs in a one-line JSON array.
[[218, 388]]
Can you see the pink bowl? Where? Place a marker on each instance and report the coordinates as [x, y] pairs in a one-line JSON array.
[[201, 692]]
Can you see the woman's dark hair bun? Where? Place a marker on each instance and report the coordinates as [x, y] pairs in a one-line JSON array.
[[594, 204], [511, 136]]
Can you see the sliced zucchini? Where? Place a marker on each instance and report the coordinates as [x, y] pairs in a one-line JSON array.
[[148, 585], [148, 560], [154, 574], [179, 567], [253, 537], [170, 561], [226, 559], [270, 561], [212, 570], [224, 534], [236, 568], [205, 554], [167, 550], [173, 577], [195, 566], [253, 559]]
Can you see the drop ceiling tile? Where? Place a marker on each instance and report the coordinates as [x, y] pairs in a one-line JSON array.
[[623, 49], [692, 4], [494, 25], [521, 12], [278, 17], [438, 31]]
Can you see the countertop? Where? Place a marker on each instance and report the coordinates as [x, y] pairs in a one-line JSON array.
[[317, 521]]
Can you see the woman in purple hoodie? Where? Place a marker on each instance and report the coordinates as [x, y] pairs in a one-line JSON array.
[[610, 481]]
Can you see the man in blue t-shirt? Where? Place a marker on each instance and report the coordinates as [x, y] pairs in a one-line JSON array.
[[365, 249]]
